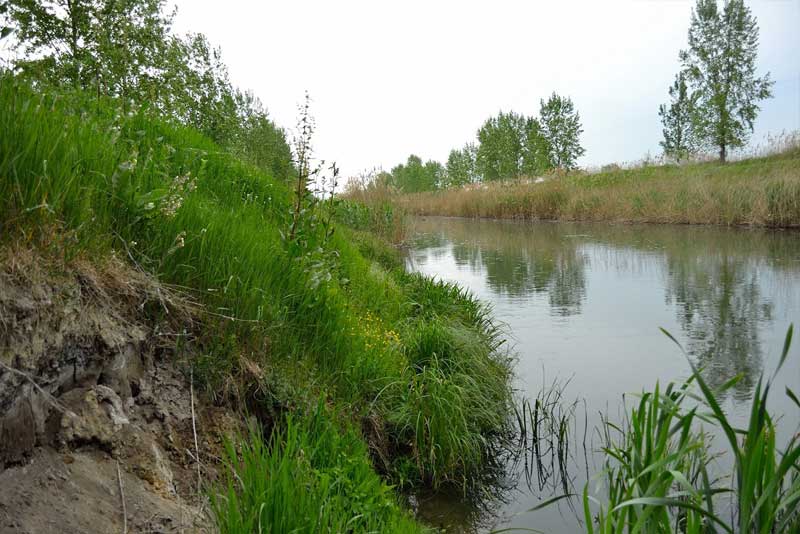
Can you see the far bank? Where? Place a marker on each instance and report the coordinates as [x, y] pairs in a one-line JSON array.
[[761, 191]]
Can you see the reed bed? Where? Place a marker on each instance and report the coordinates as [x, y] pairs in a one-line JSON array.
[[762, 191]]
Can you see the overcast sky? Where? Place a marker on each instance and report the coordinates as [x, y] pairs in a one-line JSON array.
[[392, 78]]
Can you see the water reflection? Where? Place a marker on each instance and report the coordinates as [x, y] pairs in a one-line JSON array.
[[584, 303], [515, 263], [710, 276], [720, 309]]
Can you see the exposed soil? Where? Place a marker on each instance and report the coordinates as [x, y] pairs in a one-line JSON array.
[[93, 400]]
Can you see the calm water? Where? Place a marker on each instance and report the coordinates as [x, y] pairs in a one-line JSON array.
[[583, 304]]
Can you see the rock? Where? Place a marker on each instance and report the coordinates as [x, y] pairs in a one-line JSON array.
[[21, 424], [96, 416]]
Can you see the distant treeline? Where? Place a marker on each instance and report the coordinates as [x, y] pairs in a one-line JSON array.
[[508, 145], [126, 49]]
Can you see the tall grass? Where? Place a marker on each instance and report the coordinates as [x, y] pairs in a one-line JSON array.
[[657, 476], [310, 477], [762, 191], [335, 317]]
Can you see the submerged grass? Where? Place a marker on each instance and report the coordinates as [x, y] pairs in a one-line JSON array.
[[763, 191], [332, 317]]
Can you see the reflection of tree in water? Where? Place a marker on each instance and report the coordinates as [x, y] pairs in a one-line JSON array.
[[712, 276], [429, 245], [720, 309], [519, 261]]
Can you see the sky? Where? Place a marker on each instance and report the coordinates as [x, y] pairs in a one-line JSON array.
[[388, 79]]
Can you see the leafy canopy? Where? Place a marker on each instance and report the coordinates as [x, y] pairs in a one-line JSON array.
[[720, 68]]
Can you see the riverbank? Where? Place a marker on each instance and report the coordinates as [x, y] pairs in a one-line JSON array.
[[358, 374], [761, 191]]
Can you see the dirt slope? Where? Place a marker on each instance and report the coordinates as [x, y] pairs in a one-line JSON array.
[[93, 400]]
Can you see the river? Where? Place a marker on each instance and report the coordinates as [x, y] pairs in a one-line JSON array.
[[582, 305]]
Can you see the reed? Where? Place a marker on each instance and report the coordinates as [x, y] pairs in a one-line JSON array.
[[760, 191], [658, 465]]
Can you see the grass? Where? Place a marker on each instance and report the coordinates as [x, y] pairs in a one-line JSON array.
[[657, 466], [310, 477], [761, 191], [317, 317]]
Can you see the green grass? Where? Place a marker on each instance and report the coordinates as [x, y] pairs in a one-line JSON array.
[[658, 463], [335, 318], [310, 477]]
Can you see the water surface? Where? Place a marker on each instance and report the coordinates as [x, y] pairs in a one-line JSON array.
[[583, 304]]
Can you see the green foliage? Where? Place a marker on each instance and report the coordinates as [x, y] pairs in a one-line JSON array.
[[311, 477], [383, 219], [720, 67], [658, 464], [510, 145], [450, 419], [334, 308], [259, 141], [680, 140], [114, 47], [561, 129], [414, 176], [462, 166], [507, 147], [125, 49]]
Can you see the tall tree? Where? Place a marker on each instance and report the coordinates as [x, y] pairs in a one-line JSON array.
[[561, 128], [720, 65], [680, 140], [115, 47], [259, 140], [536, 155], [461, 166], [414, 176], [125, 49], [502, 145]]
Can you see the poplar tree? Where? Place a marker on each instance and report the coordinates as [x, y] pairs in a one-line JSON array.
[[461, 166], [720, 67], [680, 140], [561, 128]]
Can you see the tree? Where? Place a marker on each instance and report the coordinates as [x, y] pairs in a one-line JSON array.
[[461, 166], [680, 140], [536, 155], [561, 128], [115, 47], [720, 66], [501, 146], [433, 175], [124, 49], [414, 177], [259, 141]]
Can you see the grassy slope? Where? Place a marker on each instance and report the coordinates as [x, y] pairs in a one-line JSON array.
[[420, 361], [761, 191]]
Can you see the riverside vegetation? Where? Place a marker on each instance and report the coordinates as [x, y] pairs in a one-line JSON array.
[[760, 191], [364, 376], [526, 167], [658, 473], [354, 355]]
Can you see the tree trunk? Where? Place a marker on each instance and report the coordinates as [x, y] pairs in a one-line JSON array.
[[73, 43], [723, 153]]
